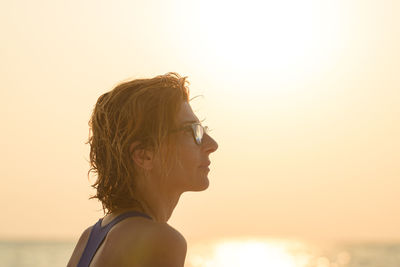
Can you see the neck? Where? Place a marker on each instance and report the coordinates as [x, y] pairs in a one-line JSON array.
[[156, 200], [159, 208]]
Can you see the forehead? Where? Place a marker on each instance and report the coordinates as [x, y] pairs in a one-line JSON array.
[[186, 114]]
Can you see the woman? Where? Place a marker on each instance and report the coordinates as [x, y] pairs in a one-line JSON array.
[[147, 147]]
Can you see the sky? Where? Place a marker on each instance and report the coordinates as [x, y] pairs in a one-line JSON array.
[[303, 98]]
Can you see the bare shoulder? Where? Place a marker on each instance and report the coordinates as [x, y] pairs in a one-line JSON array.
[[165, 246], [80, 246], [163, 232], [158, 244]]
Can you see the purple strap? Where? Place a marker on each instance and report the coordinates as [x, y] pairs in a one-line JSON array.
[[98, 234]]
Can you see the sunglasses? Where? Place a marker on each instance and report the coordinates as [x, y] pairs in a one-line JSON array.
[[197, 130]]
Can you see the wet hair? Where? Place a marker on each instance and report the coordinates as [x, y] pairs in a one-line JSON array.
[[141, 110]]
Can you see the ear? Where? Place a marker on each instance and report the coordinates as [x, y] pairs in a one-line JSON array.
[[141, 156]]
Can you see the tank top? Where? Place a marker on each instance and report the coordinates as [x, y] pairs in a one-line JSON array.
[[99, 233]]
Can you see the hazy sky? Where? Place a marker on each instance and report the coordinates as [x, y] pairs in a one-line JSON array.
[[303, 98]]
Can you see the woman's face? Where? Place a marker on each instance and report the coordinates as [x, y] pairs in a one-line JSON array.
[[190, 171]]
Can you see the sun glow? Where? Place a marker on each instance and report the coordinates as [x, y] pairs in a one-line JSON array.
[[240, 253], [276, 37]]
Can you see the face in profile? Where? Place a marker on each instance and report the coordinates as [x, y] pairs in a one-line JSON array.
[[190, 171]]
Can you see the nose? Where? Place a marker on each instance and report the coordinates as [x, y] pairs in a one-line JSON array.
[[209, 144]]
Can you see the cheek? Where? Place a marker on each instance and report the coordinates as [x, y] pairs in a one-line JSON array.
[[188, 158]]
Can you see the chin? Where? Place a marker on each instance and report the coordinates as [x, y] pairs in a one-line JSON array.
[[200, 186]]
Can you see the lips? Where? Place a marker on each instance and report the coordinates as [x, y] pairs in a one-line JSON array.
[[205, 165]]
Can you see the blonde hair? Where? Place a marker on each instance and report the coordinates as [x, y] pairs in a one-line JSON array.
[[141, 110]]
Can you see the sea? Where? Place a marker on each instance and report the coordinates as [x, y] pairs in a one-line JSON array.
[[232, 252]]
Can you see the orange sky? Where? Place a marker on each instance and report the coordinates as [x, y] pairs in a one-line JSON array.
[[303, 99]]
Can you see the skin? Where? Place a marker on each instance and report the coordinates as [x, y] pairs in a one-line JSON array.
[[138, 241]]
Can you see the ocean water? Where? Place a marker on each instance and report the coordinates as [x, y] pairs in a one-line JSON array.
[[35, 253], [233, 252]]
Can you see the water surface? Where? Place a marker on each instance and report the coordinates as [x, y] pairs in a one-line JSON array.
[[232, 252]]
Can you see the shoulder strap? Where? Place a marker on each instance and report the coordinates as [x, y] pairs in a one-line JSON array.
[[98, 234]]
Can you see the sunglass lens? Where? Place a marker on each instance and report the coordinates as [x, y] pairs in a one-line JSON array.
[[198, 133]]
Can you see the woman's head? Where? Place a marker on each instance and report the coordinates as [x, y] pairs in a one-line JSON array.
[[142, 112]]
